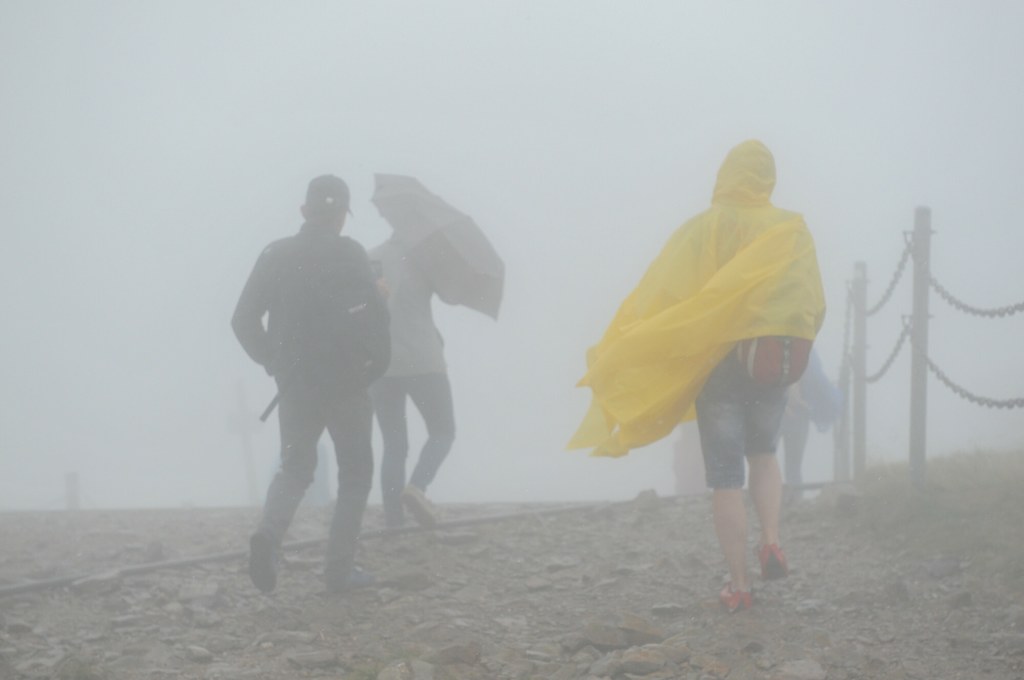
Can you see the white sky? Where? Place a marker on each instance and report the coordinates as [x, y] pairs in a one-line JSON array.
[[150, 150]]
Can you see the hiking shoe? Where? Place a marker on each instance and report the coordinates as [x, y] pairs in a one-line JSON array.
[[262, 562], [417, 504], [735, 600], [773, 562]]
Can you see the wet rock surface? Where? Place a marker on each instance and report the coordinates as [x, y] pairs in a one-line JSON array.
[[619, 592]]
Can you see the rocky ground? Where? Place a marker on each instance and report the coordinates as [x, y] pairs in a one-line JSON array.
[[886, 583]]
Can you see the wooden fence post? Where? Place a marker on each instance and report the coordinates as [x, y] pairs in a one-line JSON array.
[[919, 345]]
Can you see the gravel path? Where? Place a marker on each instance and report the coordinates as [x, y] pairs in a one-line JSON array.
[[618, 591]]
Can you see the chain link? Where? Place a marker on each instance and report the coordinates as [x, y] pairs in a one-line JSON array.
[[875, 377], [963, 392], [1009, 310], [897, 275], [970, 396]]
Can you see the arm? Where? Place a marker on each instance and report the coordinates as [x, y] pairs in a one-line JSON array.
[[247, 321]]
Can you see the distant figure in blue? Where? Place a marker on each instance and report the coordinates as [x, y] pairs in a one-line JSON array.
[[813, 399]]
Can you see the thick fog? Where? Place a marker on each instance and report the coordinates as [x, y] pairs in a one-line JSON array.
[[151, 150]]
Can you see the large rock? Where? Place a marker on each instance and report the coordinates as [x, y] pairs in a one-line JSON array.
[[421, 670], [711, 665], [467, 652], [285, 637], [668, 609], [608, 665], [643, 660], [803, 669], [399, 670], [640, 631], [647, 501], [315, 660], [604, 637], [677, 653]]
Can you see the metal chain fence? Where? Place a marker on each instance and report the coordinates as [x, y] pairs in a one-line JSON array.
[[897, 275], [917, 247], [1008, 310], [875, 377], [957, 389], [970, 396]]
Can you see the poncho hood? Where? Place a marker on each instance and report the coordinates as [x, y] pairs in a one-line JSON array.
[[747, 176]]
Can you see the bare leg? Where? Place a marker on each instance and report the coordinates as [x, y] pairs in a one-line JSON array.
[[730, 516], [766, 492]]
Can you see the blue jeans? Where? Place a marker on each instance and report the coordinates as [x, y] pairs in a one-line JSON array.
[[431, 394], [737, 417]]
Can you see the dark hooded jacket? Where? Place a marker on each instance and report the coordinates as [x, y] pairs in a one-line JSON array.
[[326, 321]]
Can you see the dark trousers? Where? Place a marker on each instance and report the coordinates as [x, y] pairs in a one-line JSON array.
[[305, 412], [431, 393]]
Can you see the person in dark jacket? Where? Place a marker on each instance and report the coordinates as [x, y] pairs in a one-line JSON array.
[[326, 339]]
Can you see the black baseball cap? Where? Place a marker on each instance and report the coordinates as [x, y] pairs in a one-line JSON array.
[[327, 196]]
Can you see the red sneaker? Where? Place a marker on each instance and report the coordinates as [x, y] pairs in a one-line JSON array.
[[735, 600], [773, 562]]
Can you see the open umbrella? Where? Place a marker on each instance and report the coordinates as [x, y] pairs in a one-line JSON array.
[[445, 244]]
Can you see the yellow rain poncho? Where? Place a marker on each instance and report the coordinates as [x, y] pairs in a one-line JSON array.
[[742, 269]]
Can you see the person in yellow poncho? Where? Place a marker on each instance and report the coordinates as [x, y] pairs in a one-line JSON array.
[[739, 270]]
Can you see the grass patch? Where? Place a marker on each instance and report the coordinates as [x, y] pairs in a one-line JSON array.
[[972, 508]]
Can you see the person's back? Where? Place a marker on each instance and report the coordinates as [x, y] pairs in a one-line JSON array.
[[309, 284], [416, 344], [741, 269], [326, 339], [738, 416], [739, 272]]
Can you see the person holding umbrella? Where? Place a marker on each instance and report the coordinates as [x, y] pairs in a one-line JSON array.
[[433, 250]]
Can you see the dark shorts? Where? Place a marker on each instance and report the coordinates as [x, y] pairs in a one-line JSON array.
[[737, 417]]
